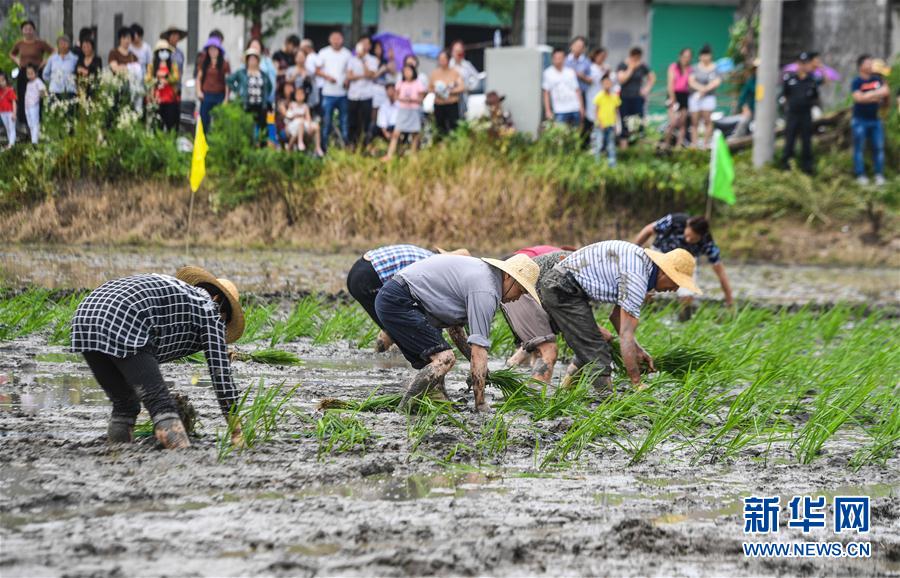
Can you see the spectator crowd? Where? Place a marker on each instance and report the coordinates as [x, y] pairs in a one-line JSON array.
[[303, 99]]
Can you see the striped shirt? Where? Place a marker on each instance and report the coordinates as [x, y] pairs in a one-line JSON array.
[[390, 260], [612, 272], [158, 314], [670, 236]]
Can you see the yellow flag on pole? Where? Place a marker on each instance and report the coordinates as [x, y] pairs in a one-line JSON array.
[[198, 161]]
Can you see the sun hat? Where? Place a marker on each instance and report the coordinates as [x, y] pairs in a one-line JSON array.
[[679, 265], [171, 30], [162, 45], [251, 52], [879, 66], [196, 275], [522, 269], [214, 41], [463, 252]]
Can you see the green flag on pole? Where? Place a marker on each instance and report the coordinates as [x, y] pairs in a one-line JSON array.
[[721, 170]]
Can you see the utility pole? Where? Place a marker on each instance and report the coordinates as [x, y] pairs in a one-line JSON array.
[[68, 24], [767, 77]]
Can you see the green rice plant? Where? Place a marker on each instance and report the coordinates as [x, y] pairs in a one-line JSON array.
[[503, 341], [346, 322], [682, 359], [65, 308], [301, 322], [28, 312], [429, 415], [373, 403], [260, 416], [885, 433], [337, 432], [256, 319]]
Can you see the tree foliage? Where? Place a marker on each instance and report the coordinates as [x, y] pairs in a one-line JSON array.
[[10, 32], [255, 11]]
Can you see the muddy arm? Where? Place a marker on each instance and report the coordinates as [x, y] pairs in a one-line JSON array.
[[459, 337], [632, 352], [479, 375]]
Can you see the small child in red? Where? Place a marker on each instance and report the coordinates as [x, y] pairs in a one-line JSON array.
[[166, 98], [8, 109]]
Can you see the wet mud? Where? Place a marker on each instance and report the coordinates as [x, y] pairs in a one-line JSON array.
[[71, 505]]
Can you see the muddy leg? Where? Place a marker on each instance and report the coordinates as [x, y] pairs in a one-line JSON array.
[[543, 366], [170, 431], [125, 402], [383, 342], [429, 376], [517, 358]]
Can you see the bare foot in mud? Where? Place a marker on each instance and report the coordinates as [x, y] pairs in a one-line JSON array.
[[484, 408], [383, 342], [171, 434], [120, 431], [518, 358]]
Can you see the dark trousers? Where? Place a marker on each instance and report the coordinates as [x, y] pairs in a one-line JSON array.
[[572, 315], [169, 114], [363, 284], [21, 85], [210, 101], [446, 117], [798, 122], [408, 325], [360, 118], [129, 381], [631, 106]]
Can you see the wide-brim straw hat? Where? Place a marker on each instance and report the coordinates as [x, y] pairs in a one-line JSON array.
[[251, 52], [679, 265], [182, 33], [197, 275], [522, 269], [463, 252], [162, 45]]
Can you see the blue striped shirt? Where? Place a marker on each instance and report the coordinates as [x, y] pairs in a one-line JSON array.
[[391, 259], [612, 272]]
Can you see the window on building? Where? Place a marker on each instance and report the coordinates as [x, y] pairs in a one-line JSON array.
[[117, 25], [559, 24], [595, 25]]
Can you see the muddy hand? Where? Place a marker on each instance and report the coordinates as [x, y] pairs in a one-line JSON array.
[[171, 434], [237, 438]]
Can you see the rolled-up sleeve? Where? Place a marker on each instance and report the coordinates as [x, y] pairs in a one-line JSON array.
[[480, 307], [217, 360], [632, 290]]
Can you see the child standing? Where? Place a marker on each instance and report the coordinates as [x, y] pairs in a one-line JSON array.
[[8, 109], [607, 103], [35, 90], [410, 93], [299, 123]]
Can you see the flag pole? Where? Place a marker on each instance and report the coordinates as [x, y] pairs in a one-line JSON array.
[[187, 238]]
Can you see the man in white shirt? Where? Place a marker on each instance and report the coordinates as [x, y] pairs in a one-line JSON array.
[[312, 63], [361, 71], [332, 69], [140, 48], [387, 113], [466, 70], [562, 96]]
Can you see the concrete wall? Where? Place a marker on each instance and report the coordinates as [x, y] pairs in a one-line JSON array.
[[625, 24], [841, 38], [423, 22], [516, 73]]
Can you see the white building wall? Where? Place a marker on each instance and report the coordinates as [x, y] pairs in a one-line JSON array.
[[626, 24]]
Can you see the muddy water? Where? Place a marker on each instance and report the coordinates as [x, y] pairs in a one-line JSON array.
[[71, 505], [273, 270]]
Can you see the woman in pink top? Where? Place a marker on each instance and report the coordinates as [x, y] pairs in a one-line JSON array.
[[678, 90], [410, 93]]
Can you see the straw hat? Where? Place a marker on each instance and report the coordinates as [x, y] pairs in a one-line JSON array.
[[879, 66], [251, 52], [679, 265], [463, 252], [162, 45], [182, 33], [195, 276], [522, 269]]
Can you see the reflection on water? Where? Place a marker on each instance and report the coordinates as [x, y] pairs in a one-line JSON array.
[[49, 392], [414, 487], [263, 271]]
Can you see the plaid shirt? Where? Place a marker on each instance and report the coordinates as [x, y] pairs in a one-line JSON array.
[[670, 236], [388, 261], [159, 314], [612, 272]]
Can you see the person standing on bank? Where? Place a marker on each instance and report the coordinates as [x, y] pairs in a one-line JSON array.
[[450, 291], [801, 92], [636, 81], [616, 272], [447, 86], [563, 102], [678, 90], [869, 91], [29, 50], [173, 35], [126, 327], [681, 231]]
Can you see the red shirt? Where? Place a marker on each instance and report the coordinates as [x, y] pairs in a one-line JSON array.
[[537, 250], [165, 94], [7, 99]]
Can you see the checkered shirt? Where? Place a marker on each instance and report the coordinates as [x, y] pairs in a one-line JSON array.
[[159, 314], [670, 236], [612, 272], [390, 260]]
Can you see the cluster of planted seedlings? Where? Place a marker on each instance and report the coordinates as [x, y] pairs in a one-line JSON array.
[[260, 411], [34, 310]]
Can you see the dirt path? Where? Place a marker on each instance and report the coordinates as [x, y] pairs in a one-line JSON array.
[[72, 506]]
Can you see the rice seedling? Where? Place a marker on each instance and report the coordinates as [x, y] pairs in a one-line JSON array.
[[301, 322], [269, 357], [29, 311], [373, 403], [346, 322], [65, 308], [260, 417], [337, 432], [256, 319], [494, 436], [429, 415], [682, 359]]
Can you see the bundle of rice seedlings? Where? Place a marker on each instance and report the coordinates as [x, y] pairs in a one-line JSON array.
[[269, 357], [681, 359], [375, 403], [336, 432]]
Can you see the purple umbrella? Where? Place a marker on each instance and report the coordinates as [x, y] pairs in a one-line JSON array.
[[399, 44], [823, 71]]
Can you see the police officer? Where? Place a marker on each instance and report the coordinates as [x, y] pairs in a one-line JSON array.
[[801, 92]]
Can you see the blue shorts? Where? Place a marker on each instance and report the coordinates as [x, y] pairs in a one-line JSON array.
[[405, 321]]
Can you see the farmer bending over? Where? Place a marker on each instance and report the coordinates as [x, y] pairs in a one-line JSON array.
[[680, 231], [450, 291], [531, 325], [610, 272], [126, 327], [375, 268]]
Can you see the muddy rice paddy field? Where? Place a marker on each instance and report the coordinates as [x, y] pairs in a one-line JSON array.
[[552, 482]]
